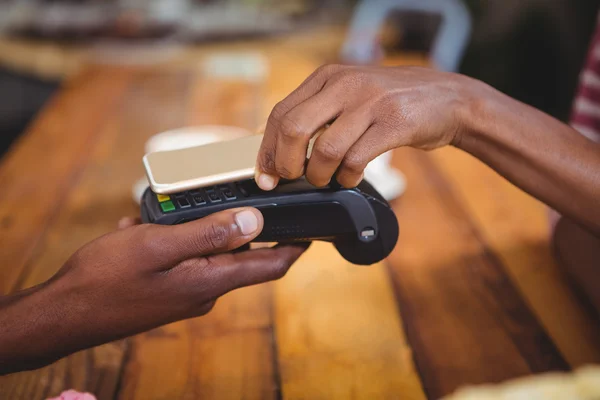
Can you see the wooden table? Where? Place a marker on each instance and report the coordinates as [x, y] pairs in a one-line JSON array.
[[470, 295]]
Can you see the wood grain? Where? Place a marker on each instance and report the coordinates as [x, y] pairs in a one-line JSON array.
[[228, 353], [465, 319], [38, 172], [97, 196], [516, 228], [176, 362], [339, 334]]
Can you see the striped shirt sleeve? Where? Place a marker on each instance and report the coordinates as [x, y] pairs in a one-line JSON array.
[[585, 117]]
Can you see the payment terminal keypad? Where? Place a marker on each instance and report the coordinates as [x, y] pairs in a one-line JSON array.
[[205, 196]]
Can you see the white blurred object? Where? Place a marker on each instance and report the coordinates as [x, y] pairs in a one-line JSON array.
[[249, 66], [388, 181], [449, 44], [193, 136], [184, 138]]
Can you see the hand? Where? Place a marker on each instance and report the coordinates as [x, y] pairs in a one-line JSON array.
[[372, 110], [133, 280]]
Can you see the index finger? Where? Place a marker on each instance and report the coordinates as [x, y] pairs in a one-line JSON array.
[[226, 272], [266, 173]]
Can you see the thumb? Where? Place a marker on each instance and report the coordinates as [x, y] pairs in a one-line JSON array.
[[218, 233]]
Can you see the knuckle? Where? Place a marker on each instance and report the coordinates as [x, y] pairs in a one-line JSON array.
[[349, 74], [268, 160], [287, 173], [292, 129], [328, 69], [150, 241], [279, 111], [214, 236], [354, 163], [286, 124], [328, 151], [387, 99], [352, 78], [203, 274]]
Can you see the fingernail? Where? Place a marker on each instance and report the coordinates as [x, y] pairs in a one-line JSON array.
[[124, 223], [247, 222], [266, 182]]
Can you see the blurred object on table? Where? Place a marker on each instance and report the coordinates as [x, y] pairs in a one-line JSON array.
[[582, 384], [371, 28], [140, 19], [22, 97], [43, 42]]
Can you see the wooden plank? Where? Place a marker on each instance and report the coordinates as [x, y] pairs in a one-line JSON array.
[[100, 195], [465, 319], [39, 169], [338, 331], [229, 352], [208, 357], [219, 361], [339, 334], [95, 370], [516, 228]]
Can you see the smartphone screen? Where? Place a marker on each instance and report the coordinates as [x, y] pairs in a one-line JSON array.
[[179, 170]]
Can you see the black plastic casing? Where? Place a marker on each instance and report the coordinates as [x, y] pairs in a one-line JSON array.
[[359, 222]]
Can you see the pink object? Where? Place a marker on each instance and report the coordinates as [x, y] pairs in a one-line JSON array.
[[74, 395], [586, 110]]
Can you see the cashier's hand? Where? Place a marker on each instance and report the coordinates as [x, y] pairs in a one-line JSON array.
[[136, 279], [373, 109]]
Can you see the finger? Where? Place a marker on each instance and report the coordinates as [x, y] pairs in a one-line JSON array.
[[368, 147], [299, 126], [214, 276], [259, 266], [217, 233], [266, 173], [128, 222], [332, 146]]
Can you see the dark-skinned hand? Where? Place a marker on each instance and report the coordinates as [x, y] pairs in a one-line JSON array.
[[135, 279], [371, 110]]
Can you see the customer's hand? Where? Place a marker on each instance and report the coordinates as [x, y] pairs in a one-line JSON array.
[[373, 109], [135, 279]]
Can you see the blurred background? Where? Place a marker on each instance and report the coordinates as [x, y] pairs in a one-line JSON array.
[[530, 49]]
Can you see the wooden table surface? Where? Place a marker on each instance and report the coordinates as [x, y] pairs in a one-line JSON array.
[[470, 295]]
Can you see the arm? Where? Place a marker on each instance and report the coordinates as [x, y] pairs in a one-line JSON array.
[[543, 156], [133, 280], [376, 109]]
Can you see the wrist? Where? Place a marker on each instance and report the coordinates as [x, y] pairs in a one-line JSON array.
[[481, 106], [35, 328], [18, 319]]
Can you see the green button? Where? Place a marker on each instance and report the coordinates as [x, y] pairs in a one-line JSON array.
[[167, 206]]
